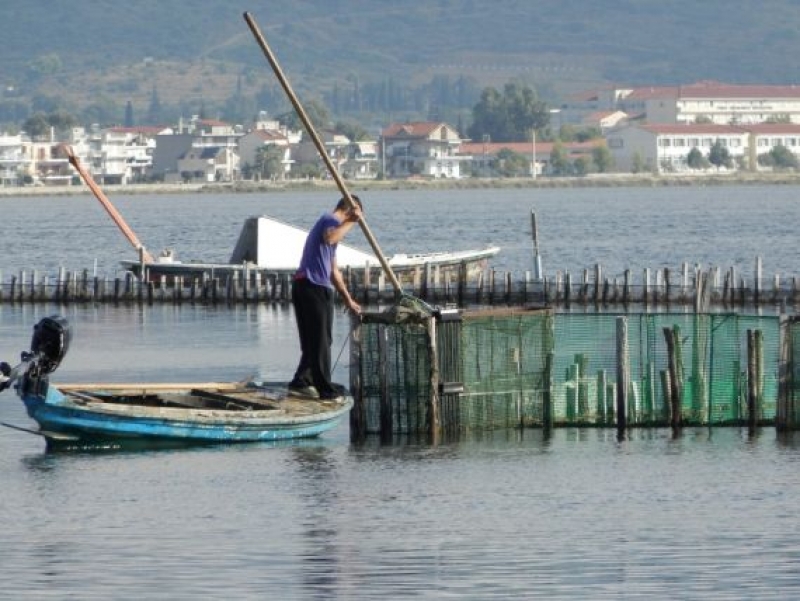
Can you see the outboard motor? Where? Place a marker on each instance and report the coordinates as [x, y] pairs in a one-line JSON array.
[[50, 343]]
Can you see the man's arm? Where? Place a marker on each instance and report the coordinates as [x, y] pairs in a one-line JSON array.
[[341, 288]]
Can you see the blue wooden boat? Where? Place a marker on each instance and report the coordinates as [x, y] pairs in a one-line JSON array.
[[89, 414]]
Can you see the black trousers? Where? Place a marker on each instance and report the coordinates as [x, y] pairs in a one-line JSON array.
[[313, 309]]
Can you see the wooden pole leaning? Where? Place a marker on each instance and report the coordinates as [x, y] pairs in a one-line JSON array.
[[320, 147], [110, 208]]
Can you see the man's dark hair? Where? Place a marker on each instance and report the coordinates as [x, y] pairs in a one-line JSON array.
[[344, 205]]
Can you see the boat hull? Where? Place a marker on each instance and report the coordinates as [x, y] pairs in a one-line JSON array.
[[84, 418]]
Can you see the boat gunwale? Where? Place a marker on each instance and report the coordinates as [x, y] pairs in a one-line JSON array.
[[59, 398]]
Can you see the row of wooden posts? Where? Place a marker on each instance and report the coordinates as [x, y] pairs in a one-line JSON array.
[[692, 287]]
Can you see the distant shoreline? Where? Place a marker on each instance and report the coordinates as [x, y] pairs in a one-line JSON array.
[[591, 181]]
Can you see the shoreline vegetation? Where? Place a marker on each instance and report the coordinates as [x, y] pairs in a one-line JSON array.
[[470, 183]]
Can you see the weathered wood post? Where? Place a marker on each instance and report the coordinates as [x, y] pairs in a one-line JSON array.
[[752, 408], [657, 290], [667, 287], [426, 275], [584, 287], [684, 281], [60, 284], [358, 414], [623, 374], [673, 342], [601, 397], [759, 351], [547, 393], [666, 390], [385, 408], [786, 413], [557, 293], [598, 277], [626, 287], [757, 282], [434, 419], [462, 282]]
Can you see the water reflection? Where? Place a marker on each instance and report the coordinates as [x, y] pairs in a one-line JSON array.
[[319, 496]]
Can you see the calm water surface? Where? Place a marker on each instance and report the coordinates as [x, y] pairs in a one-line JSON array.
[[710, 515], [618, 227]]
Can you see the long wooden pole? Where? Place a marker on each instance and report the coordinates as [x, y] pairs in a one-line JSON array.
[[110, 208], [320, 147]]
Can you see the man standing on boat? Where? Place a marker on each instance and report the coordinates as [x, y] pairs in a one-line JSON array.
[[312, 297]]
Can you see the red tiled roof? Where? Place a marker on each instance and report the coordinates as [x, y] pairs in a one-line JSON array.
[[717, 129], [652, 92], [269, 134], [772, 128], [687, 128], [545, 148], [715, 89], [144, 129], [213, 122], [417, 129]]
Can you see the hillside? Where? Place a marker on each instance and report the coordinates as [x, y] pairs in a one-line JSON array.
[[199, 53]]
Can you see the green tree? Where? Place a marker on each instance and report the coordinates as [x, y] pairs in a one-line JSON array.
[[696, 160], [566, 133], [36, 125], [588, 133], [268, 162], [512, 164], [62, 121], [783, 158], [509, 116], [602, 159], [129, 114], [559, 163], [581, 166], [154, 111], [720, 156], [352, 130], [317, 114]]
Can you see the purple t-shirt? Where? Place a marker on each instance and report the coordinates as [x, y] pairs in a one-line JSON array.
[[316, 263]]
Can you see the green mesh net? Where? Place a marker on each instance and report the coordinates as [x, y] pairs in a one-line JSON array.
[[510, 368]]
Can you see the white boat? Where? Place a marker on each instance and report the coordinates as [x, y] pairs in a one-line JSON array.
[[267, 244]]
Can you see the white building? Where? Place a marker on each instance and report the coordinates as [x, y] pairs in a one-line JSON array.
[[209, 164], [665, 147], [716, 102], [14, 159], [763, 137], [122, 155], [421, 148], [251, 143]]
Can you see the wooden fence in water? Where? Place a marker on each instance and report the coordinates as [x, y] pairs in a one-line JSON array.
[[691, 287]]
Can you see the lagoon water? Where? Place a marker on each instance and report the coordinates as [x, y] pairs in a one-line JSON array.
[[581, 515]]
